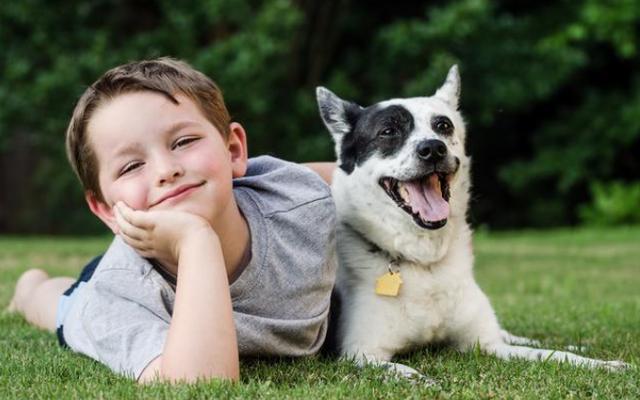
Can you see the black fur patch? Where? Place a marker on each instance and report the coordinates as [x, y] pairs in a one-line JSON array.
[[442, 125], [375, 130]]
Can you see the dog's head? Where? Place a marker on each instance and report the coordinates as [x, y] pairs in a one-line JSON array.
[[409, 152]]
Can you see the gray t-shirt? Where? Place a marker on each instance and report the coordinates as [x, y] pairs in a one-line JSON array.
[[121, 316]]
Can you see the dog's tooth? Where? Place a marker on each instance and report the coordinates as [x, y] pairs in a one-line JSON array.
[[404, 193]]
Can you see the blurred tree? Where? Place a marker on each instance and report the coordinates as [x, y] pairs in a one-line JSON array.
[[53, 54], [551, 91], [614, 204]]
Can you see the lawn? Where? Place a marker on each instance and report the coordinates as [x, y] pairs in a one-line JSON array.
[[561, 287]]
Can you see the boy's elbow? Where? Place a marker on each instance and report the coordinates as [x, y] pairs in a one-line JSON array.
[[180, 375], [157, 371], [168, 377]]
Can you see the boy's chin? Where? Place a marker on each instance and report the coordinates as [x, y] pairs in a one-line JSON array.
[[205, 213]]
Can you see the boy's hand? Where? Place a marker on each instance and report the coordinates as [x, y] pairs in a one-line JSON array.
[[158, 234]]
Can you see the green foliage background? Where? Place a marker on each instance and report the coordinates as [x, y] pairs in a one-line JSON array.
[[551, 91]]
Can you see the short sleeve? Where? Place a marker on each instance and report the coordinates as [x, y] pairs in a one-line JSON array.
[[121, 320]]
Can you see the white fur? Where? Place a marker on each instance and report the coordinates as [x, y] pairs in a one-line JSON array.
[[439, 300]]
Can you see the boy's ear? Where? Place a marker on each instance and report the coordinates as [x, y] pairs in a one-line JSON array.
[[238, 151], [101, 210]]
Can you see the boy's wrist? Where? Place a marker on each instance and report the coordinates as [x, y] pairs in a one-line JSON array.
[[198, 239]]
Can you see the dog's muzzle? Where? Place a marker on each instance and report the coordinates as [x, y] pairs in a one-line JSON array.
[[426, 197], [432, 150]]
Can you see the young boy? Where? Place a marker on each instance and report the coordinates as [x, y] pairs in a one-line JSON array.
[[215, 255]]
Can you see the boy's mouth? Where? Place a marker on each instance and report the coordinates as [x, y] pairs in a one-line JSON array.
[[425, 199], [179, 192]]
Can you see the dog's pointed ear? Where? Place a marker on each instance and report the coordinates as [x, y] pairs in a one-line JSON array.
[[338, 115], [450, 89]]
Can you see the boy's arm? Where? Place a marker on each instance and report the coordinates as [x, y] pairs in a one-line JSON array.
[[324, 169], [201, 342]]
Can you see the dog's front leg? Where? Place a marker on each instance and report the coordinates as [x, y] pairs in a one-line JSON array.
[[510, 338], [482, 328], [363, 353], [368, 337], [508, 352], [396, 370]]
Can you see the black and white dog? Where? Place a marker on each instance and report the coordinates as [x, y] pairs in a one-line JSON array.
[[404, 247]]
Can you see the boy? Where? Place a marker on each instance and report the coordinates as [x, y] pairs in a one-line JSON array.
[[215, 254]]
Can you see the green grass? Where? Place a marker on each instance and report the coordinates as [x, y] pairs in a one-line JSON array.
[[561, 287]]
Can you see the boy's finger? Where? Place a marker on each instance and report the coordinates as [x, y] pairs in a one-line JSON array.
[[138, 218], [127, 228], [145, 253], [133, 231], [137, 245]]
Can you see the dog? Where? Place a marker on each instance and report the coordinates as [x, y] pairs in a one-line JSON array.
[[404, 246]]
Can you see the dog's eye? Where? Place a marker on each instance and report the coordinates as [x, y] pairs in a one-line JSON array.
[[442, 125], [388, 132]]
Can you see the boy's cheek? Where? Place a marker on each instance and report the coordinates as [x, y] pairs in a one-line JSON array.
[[131, 196]]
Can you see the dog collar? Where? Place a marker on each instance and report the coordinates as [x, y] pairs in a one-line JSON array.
[[389, 283]]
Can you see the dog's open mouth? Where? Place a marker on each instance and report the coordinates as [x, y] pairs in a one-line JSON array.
[[426, 199]]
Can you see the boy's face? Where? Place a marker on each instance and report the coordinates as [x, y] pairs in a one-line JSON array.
[[153, 154]]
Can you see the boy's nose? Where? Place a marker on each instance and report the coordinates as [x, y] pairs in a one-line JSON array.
[[168, 172]]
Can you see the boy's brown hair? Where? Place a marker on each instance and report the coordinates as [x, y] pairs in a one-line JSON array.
[[166, 76]]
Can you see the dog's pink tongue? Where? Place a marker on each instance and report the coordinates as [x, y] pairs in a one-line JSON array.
[[426, 198]]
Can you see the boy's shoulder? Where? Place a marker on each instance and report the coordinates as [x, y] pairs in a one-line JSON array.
[[121, 256], [122, 271], [277, 185]]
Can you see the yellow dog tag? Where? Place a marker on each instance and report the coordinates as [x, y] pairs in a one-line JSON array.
[[388, 284]]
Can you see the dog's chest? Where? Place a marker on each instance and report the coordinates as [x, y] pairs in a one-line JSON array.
[[424, 307], [427, 300]]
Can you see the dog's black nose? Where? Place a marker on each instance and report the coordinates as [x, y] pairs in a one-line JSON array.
[[432, 150]]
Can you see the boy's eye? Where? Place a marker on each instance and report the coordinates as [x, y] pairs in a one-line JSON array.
[[183, 141], [130, 167]]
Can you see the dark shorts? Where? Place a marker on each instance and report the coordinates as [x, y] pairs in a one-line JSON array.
[[68, 296]]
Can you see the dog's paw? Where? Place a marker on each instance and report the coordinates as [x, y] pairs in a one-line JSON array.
[[401, 371], [615, 365]]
